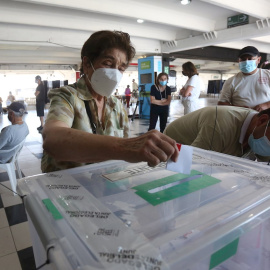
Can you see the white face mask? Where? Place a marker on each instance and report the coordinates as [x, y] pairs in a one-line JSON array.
[[104, 81]]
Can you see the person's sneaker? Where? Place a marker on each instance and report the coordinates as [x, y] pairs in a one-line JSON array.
[[40, 128]]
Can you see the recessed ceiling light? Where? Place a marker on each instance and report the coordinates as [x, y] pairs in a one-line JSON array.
[[185, 2], [140, 21]]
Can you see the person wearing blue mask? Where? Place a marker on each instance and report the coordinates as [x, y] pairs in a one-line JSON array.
[[160, 98], [231, 130], [249, 88]]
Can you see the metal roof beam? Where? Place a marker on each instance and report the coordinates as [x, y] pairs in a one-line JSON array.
[[217, 37]]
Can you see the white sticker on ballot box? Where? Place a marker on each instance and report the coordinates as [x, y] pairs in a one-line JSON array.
[[184, 161], [133, 170]]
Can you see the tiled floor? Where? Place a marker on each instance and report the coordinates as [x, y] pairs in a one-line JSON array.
[[16, 251]]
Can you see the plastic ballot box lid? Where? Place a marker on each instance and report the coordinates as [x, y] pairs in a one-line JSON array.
[[118, 215]]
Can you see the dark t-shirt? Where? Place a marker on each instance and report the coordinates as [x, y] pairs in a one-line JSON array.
[[41, 96], [158, 95]]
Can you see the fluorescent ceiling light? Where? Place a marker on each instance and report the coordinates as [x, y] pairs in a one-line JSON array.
[[185, 2], [140, 21]]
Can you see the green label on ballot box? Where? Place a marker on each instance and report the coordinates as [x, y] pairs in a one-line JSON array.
[[52, 209], [223, 254], [174, 186]]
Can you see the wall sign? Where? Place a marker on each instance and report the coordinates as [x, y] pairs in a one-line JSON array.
[[146, 65], [237, 20]]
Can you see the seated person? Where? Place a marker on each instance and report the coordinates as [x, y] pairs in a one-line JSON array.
[[250, 87], [14, 134], [87, 124], [10, 99], [225, 129], [134, 85]]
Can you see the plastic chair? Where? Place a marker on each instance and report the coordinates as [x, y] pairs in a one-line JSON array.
[[12, 164]]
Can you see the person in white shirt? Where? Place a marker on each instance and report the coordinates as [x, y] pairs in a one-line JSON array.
[[134, 91], [134, 85], [191, 90], [249, 88]]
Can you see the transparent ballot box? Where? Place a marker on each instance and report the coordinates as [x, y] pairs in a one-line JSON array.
[[118, 215]]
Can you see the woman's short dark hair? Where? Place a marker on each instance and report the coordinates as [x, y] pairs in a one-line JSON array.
[[101, 41], [190, 69], [160, 75]]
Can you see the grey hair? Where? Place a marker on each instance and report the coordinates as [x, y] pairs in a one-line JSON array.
[[19, 114]]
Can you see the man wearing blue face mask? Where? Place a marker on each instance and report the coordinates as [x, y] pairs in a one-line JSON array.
[[249, 88]]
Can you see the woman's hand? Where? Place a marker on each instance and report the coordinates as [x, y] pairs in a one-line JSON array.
[[187, 92], [152, 147], [182, 91], [156, 102]]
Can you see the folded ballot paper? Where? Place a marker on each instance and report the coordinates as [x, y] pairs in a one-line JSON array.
[[184, 161]]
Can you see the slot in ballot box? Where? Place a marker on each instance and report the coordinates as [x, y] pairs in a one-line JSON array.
[[118, 215]]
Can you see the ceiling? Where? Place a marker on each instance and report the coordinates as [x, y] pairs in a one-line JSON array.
[[48, 34]]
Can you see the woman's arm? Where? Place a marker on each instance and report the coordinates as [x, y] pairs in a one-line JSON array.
[[67, 144], [181, 91], [153, 100], [187, 92], [167, 101]]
